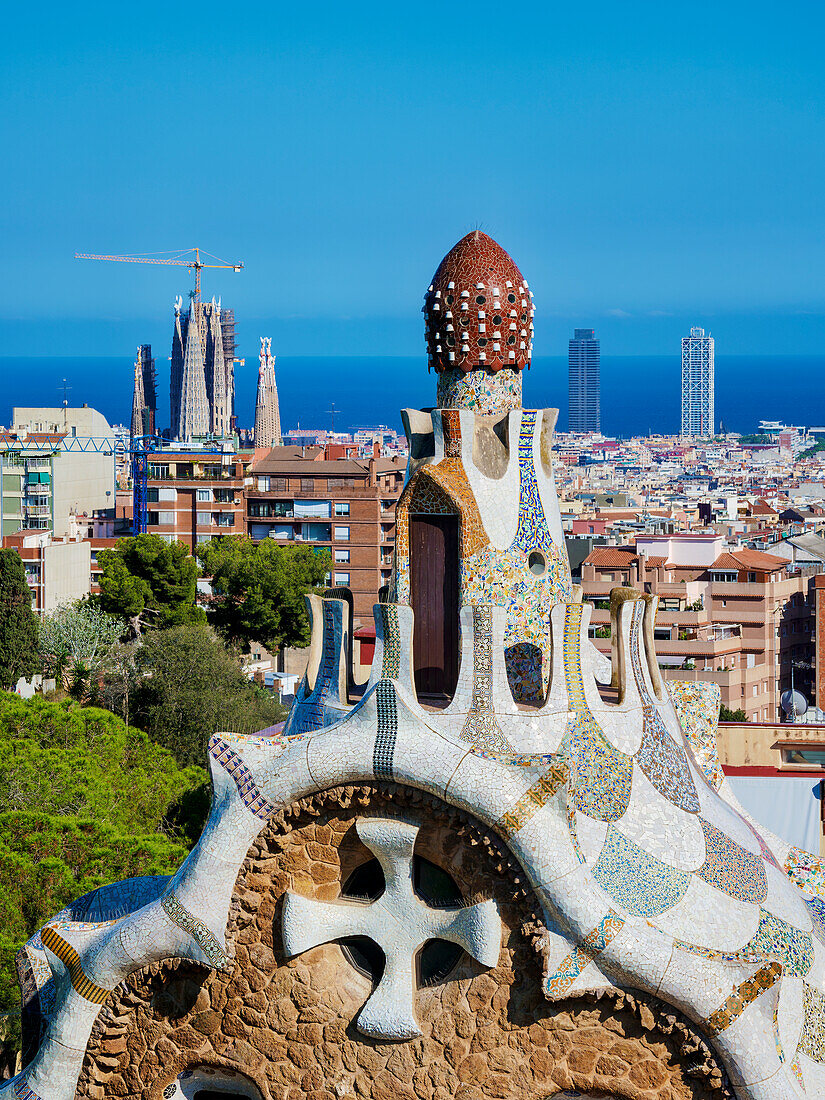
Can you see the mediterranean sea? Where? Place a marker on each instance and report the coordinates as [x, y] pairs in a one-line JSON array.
[[639, 394]]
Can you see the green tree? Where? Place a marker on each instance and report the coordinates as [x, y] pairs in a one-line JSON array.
[[150, 582], [189, 685], [75, 640], [18, 623], [84, 800], [259, 589], [728, 715]]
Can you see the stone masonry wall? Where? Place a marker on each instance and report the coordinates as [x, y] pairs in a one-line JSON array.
[[287, 1025]]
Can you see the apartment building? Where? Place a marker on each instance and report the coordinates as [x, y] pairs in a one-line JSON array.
[[58, 569], [740, 618], [343, 505], [48, 477], [56, 463], [196, 492]]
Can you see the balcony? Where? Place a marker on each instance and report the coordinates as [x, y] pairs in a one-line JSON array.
[[285, 532], [224, 475], [360, 491]]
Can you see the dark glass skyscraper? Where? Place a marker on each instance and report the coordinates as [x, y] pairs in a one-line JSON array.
[[583, 359]]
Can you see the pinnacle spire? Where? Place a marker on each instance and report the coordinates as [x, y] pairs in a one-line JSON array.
[[193, 417], [267, 412], [138, 398]]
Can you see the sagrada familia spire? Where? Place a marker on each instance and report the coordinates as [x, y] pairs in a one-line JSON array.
[[144, 399], [267, 412], [202, 379]]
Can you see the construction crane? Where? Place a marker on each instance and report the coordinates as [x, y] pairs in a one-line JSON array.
[[178, 259], [139, 452]]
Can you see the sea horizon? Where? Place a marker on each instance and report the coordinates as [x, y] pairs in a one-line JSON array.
[[640, 394]]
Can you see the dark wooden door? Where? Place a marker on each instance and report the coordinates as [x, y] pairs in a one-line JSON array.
[[434, 583]]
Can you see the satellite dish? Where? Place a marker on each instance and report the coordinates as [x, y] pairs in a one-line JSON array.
[[793, 703]]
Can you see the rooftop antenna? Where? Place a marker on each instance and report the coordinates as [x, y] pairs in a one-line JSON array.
[[66, 387], [332, 413]]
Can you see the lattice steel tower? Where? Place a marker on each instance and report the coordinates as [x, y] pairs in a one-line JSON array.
[[697, 384]]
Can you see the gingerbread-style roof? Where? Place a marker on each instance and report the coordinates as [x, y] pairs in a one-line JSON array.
[[478, 309]]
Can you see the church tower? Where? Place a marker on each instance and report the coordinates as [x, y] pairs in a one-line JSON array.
[[193, 414], [144, 397], [202, 372], [267, 412]]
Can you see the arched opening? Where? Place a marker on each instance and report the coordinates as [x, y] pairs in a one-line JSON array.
[[434, 595], [523, 662], [210, 1083]]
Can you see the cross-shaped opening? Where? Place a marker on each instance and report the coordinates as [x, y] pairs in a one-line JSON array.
[[437, 958]]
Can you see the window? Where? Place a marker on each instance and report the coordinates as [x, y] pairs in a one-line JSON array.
[[316, 532], [279, 483], [203, 538], [166, 518], [342, 555], [224, 496], [806, 756], [751, 578], [342, 507], [204, 494], [341, 534], [224, 519], [661, 634], [152, 496], [314, 509], [307, 484], [263, 483], [158, 471], [204, 519], [340, 483], [153, 519], [341, 579]]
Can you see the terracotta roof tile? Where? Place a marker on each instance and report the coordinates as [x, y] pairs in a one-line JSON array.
[[611, 557], [749, 559]]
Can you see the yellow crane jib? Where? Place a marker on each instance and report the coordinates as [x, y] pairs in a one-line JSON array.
[[189, 257]]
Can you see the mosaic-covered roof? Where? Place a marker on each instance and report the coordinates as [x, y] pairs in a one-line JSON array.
[[478, 309]]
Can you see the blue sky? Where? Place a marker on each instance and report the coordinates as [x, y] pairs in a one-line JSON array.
[[648, 166]]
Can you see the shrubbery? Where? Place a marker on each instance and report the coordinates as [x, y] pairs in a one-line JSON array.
[[84, 801]]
